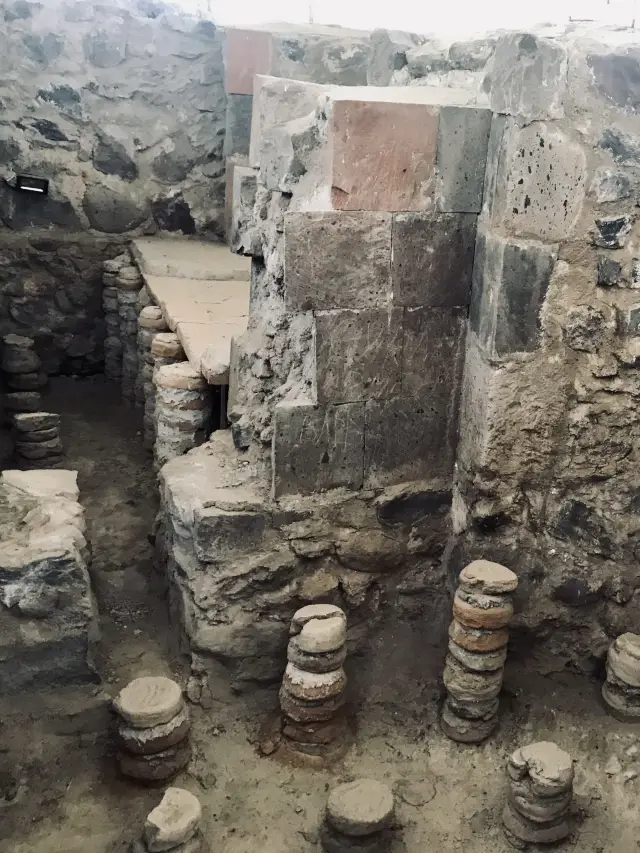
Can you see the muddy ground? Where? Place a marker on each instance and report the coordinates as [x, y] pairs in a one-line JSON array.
[[59, 790]]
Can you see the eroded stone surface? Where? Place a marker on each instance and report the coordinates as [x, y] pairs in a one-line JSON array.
[[360, 808], [149, 701], [174, 821]]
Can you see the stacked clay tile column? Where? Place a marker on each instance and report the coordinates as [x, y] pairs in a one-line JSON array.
[[152, 733], [478, 638], [36, 438], [183, 410], [312, 692], [173, 826], [540, 794], [621, 690], [150, 322], [112, 343], [165, 349], [359, 817], [129, 283]]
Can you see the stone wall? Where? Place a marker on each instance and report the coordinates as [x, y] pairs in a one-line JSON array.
[[122, 108]]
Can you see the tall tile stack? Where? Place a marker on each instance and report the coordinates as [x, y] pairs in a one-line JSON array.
[[129, 283], [150, 322], [165, 349], [153, 729], [312, 692], [21, 365], [359, 817], [540, 794], [112, 343], [37, 441], [183, 410], [478, 637], [621, 690], [173, 826]]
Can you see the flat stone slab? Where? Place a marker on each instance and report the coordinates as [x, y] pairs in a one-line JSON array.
[[208, 346], [189, 259], [360, 808], [149, 701]]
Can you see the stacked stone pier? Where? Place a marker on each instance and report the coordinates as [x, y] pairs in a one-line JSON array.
[[36, 438], [112, 343], [21, 366], [165, 349], [621, 690], [174, 825], [312, 693], [359, 817], [478, 638], [152, 734], [540, 795], [183, 410], [150, 323]]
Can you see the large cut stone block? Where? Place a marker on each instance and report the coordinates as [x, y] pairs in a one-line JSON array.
[[408, 439], [358, 354], [337, 260], [510, 281], [220, 535], [242, 238], [238, 125], [275, 102], [384, 155], [388, 54], [317, 447], [433, 351], [248, 52], [527, 77], [535, 182], [230, 165], [304, 53], [463, 137], [432, 258]]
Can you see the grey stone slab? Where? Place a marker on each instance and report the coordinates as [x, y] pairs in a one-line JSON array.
[[409, 439], [220, 535], [317, 447], [340, 60], [617, 78], [463, 137], [358, 354], [432, 258], [237, 136], [510, 281], [337, 260], [433, 351]]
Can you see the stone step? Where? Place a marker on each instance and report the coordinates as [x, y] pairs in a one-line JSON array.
[[182, 258]]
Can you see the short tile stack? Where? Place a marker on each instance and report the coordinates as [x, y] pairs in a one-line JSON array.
[[358, 818], [621, 690], [540, 794], [150, 322], [183, 410], [174, 825], [21, 365], [37, 442], [112, 343], [478, 638], [153, 729], [312, 692], [165, 349], [129, 282]]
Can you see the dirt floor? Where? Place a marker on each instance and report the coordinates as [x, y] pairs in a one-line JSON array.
[[59, 790]]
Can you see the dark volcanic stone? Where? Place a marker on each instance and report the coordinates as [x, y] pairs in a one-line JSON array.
[[620, 144], [49, 130], [617, 78], [112, 211], [579, 522], [20, 10], [25, 210], [612, 232], [42, 49], [576, 592], [609, 271], [410, 507], [61, 96], [173, 214], [111, 158]]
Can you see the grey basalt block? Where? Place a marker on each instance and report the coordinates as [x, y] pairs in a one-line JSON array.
[[409, 439], [463, 137], [237, 136], [432, 259], [337, 260], [358, 354], [510, 281], [317, 447], [433, 351]]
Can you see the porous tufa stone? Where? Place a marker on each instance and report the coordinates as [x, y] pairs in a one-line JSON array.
[[157, 767], [173, 822], [314, 611], [36, 421], [167, 345], [315, 662], [624, 659], [360, 808], [313, 686], [549, 768], [181, 376], [155, 738], [149, 701], [488, 578], [477, 640], [481, 611]]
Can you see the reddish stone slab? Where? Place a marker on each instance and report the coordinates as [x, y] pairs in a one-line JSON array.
[[384, 155], [248, 53]]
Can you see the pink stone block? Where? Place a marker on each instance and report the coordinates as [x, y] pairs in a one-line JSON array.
[[384, 155], [248, 53]]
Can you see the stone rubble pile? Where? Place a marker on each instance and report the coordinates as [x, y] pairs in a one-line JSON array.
[[36, 438], [174, 825], [540, 794], [478, 638], [22, 371], [165, 349], [182, 410], [152, 734], [312, 692], [358, 817], [621, 690]]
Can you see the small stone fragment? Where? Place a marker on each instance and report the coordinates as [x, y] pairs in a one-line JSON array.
[[609, 271], [613, 232], [173, 822]]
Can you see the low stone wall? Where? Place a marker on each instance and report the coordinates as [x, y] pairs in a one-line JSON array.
[[47, 618]]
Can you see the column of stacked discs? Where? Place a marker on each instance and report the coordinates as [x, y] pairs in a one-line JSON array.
[[183, 410], [165, 349], [150, 322], [358, 818], [621, 690]]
